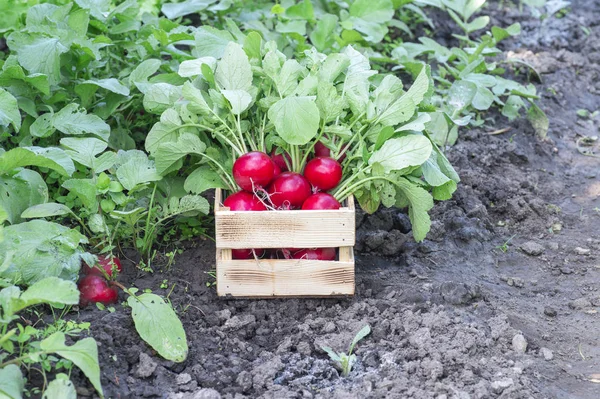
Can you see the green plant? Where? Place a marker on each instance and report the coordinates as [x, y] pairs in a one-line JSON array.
[[345, 361], [18, 344]]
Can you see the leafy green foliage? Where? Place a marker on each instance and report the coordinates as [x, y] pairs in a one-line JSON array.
[[345, 361], [158, 325]]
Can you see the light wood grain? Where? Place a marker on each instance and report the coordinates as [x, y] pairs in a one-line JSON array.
[[282, 278]]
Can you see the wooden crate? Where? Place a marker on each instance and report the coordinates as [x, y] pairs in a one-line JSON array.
[[269, 278]]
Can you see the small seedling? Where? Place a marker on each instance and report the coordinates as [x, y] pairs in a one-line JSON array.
[[504, 247], [346, 361]]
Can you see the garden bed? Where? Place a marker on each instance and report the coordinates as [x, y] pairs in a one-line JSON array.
[[513, 255]]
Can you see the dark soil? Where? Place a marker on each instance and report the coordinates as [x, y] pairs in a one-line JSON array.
[[513, 258]]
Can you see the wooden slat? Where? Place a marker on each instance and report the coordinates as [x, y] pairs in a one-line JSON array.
[[283, 278], [285, 229]]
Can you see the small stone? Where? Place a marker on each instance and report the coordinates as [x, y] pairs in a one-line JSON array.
[[83, 391], [532, 248], [553, 246], [329, 327], [145, 367], [580, 303], [547, 353], [237, 322], [244, 380], [183, 379], [303, 348], [501, 385], [550, 311], [582, 251], [224, 314], [206, 393], [566, 270], [519, 343], [515, 281]]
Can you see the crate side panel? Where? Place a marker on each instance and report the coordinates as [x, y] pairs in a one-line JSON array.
[[287, 229], [271, 277]]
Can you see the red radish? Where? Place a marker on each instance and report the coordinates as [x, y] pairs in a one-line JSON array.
[[315, 254], [323, 173], [276, 170], [289, 189], [247, 253], [252, 170], [280, 160], [244, 201], [94, 289], [320, 201], [104, 262], [321, 150]]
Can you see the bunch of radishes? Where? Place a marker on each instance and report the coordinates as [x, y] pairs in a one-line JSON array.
[[267, 184], [98, 283]]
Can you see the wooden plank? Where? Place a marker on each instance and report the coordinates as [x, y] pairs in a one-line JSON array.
[[285, 229], [284, 278]]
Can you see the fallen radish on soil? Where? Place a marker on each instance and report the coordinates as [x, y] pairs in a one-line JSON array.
[[94, 288]]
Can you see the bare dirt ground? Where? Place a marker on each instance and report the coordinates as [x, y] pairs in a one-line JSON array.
[[500, 301]]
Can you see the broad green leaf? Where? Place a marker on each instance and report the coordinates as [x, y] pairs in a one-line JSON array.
[[478, 23], [160, 96], [191, 68], [61, 387], [404, 107], [419, 202], [48, 209], [38, 54], [164, 131], [12, 73], [202, 179], [49, 157], [512, 106], [139, 76], [443, 186], [500, 34], [41, 249], [99, 9], [483, 100], [418, 124], [210, 42], [12, 383], [461, 94], [176, 10], [186, 204], [238, 99], [51, 290], [84, 354], [379, 11], [20, 191], [292, 26], [296, 119], [252, 45], [138, 170], [168, 154], [366, 330], [86, 191], [303, 10], [84, 151], [402, 152], [196, 98], [538, 120], [9, 110], [70, 120], [330, 103], [287, 79], [110, 84], [322, 35], [233, 70], [333, 66], [158, 325], [43, 126]]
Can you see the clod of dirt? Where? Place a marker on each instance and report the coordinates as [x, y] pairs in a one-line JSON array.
[[146, 366], [500, 385], [582, 251], [183, 379], [547, 354], [580, 303], [550, 311], [237, 322], [532, 248], [519, 343]]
